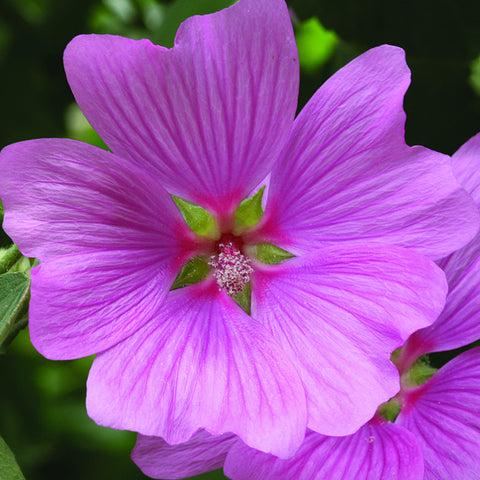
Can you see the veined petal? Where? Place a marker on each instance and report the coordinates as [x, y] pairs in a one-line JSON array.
[[466, 163], [203, 363], [211, 114], [65, 197], [202, 453], [339, 314], [378, 451], [346, 173], [443, 414], [459, 324], [109, 237], [84, 304]]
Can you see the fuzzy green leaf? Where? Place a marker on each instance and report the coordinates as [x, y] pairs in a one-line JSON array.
[[9, 469], [14, 296]]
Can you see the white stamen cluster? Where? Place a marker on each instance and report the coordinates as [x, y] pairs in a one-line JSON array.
[[231, 269]]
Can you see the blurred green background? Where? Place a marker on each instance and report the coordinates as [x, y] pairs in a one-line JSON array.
[[42, 409]]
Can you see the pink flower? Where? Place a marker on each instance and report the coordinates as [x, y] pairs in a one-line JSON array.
[[207, 121], [458, 324], [435, 437]]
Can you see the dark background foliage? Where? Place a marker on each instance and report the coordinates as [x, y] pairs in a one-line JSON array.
[[42, 411], [441, 39]]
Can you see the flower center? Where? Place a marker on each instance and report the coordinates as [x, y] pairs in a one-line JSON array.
[[231, 269]]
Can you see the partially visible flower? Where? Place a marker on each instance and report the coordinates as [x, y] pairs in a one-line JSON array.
[[380, 450], [459, 323], [207, 121], [436, 436]]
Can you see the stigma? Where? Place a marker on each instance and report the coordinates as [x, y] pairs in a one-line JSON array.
[[231, 269]]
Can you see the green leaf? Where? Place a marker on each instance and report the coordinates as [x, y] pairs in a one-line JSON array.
[[315, 44], [249, 212], [192, 272], [197, 218], [9, 469], [271, 255], [14, 297]]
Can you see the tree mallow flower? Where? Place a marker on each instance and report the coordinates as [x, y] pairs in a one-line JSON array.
[[436, 436], [206, 121], [459, 322]]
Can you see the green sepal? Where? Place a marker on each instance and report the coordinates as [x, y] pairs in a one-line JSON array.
[[249, 212], [9, 469], [197, 218], [14, 298], [2, 211], [420, 372], [192, 272], [244, 298], [271, 254], [390, 410]]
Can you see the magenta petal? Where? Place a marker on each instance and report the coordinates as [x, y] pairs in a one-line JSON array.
[[378, 451], [466, 165], [211, 114], [459, 324], [203, 363], [202, 453], [339, 314], [83, 304], [65, 197], [108, 257], [443, 414], [346, 173]]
